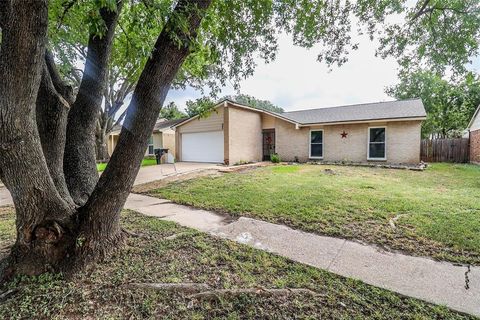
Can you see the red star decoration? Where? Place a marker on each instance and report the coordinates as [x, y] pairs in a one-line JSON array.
[[344, 134]]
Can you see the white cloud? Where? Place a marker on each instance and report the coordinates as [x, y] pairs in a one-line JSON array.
[[296, 80]]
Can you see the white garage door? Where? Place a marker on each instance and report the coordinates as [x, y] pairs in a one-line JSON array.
[[203, 146]]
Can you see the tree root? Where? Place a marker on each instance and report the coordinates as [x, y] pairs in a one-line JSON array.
[[176, 235], [6, 294], [212, 294], [135, 235], [202, 291], [184, 287]]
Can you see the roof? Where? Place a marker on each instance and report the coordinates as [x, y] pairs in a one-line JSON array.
[[160, 125], [388, 110], [166, 124], [360, 112]]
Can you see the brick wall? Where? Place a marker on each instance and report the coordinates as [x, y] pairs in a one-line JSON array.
[[403, 141], [475, 146]]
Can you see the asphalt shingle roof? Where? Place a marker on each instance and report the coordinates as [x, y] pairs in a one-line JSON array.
[[166, 124], [368, 111]]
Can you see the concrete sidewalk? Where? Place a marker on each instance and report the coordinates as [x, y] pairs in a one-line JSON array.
[[145, 175], [436, 282]]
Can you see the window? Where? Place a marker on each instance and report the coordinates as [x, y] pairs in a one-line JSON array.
[[377, 143], [316, 144], [150, 145]]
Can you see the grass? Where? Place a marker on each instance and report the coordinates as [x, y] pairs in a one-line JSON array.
[[145, 163], [433, 213], [101, 293]]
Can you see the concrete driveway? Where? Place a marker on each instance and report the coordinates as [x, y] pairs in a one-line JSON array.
[[146, 174], [153, 173]]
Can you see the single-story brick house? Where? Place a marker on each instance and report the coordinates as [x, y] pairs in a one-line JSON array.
[[374, 132], [474, 133], [163, 137]]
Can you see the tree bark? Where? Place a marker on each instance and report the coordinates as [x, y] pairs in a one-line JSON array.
[[80, 156], [99, 218], [42, 216], [51, 117], [102, 144]]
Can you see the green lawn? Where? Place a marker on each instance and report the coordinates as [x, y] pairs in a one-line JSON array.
[[153, 256], [145, 162], [431, 213]]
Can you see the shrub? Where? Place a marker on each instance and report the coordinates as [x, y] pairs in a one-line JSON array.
[[275, 158]]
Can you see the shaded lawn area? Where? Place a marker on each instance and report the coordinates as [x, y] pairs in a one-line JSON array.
[[432, 213], [145, 162], [151, 257]]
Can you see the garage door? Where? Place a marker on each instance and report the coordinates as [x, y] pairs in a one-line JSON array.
[[203, 146]]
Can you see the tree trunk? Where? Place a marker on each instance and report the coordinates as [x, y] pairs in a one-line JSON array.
[[101, 141], [52, 233], [80, 156], [43, 218], [99, 218]]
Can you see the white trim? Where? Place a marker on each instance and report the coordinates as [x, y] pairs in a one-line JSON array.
[[473, 118], [368, 144], [361, 121], [310, 144], [226, 102]]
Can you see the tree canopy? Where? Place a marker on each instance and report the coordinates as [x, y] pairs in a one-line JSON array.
[[171, 112], [449, 105]]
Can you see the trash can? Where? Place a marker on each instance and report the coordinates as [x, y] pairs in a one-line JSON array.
[[159, 153]]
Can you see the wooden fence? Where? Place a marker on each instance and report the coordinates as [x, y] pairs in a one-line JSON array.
[[445, 150]]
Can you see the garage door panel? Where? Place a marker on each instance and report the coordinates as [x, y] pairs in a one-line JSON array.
[[203, 146]]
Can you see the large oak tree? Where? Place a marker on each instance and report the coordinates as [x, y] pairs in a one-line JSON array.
[[66, 216]]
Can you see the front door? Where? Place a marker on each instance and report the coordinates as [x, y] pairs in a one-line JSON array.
[[268, 143]]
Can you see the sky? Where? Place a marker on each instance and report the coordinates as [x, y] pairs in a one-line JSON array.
[[296, 80]]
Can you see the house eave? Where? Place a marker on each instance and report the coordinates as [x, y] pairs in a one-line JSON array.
[[362, 121]]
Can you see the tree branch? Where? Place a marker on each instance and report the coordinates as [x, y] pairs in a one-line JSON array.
[[80, 156], [101, 212], [421, 11], [51, 114]]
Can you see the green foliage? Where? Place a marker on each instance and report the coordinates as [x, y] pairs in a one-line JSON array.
[[449, 104], [171, 112], [275, 158], [201, 106], [443, 34], [232, 34], [254, 102]]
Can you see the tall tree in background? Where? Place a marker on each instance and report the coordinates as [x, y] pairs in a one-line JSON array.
[[255, 103], [204, 104], [171, 112], [439, 36], [449, 104]]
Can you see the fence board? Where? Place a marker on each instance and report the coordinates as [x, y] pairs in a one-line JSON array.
[[445, 150]]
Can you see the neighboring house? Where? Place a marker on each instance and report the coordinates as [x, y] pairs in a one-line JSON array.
[[474, 133], [163, 137], [374, 132]]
